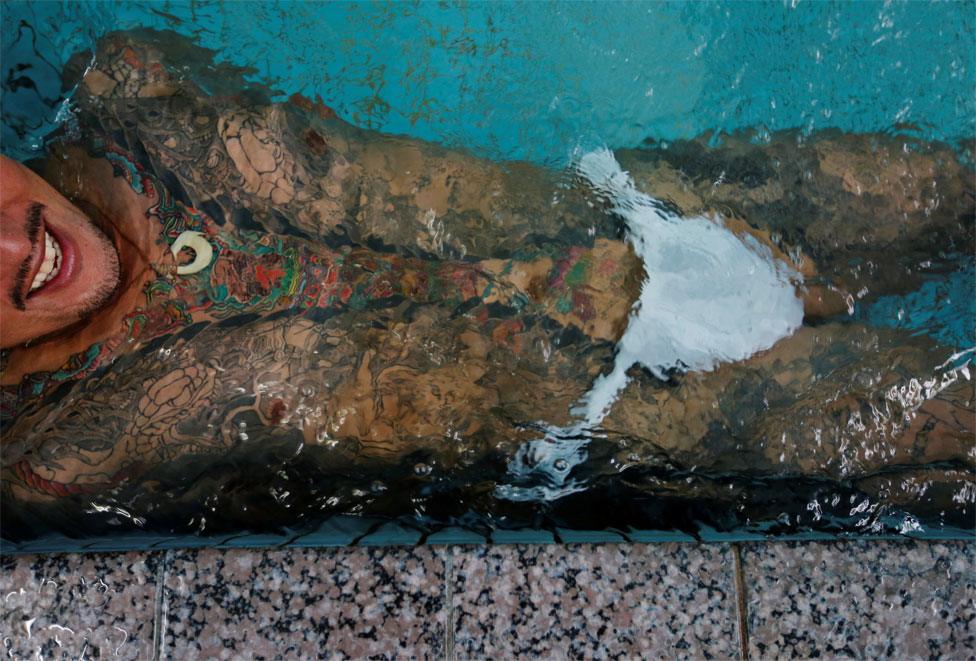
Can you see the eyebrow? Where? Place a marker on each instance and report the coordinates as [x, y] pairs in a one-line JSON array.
[[33, 226]]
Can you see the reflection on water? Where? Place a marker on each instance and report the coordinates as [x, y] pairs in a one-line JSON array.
[[523, 80], [766, 332]]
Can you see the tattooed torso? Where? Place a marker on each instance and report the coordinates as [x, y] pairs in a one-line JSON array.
[[345, 298], [384, 295]]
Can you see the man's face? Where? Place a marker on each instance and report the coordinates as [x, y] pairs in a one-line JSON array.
[[56, 266]]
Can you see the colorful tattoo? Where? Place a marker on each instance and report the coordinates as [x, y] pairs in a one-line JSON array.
[[256, 272]]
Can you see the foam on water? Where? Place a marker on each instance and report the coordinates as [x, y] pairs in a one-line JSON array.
[[709, 297]]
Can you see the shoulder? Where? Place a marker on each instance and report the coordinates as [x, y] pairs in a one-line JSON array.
[[147, 63], [237, 149]]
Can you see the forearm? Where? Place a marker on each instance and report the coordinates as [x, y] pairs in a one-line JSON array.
[[451, 204]]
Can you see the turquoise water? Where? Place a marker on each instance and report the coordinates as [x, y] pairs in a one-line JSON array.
[[532, 80], [537, 80], [943, 308]]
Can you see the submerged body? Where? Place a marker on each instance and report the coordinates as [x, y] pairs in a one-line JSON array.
[[374, 300]]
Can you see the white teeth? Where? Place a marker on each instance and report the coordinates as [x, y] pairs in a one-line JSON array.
[[51, 264]]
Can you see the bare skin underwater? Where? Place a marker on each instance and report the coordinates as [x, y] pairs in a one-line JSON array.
[[373, 297]]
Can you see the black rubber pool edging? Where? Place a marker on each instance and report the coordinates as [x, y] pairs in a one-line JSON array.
[[355, 531]]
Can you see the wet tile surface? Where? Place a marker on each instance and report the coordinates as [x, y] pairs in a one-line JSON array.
[[78, 606], [902, 600], [305, 603], [662, 600]]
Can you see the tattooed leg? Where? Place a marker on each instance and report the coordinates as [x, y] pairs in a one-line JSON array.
[[868, 209], [836, 400]]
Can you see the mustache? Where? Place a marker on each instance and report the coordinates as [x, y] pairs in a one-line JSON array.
[[33, 229], [106, 292]]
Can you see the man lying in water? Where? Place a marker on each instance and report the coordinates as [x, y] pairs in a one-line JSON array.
[[194, 272]]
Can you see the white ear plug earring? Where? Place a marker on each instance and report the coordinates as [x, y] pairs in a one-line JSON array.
[[203, 252]]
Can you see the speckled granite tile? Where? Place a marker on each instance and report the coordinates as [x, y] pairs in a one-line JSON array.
[[583, 601], [78, 606], [871, 599], [305, 603]]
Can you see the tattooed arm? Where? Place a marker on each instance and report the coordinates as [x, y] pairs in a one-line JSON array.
[[372, 385], [110, 429], [296, 168], [849, 203]]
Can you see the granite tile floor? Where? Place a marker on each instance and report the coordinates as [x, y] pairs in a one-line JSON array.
[[613, 600], [79, 606], [871, 599], [865, 600]]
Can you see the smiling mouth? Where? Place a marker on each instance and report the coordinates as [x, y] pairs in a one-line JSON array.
[[50, 266]]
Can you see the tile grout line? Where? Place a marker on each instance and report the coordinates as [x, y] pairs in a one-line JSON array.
[[449, 601], [741, 604], [158, 615]]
